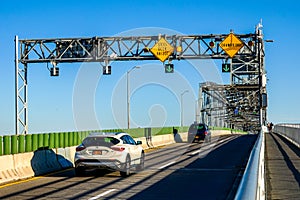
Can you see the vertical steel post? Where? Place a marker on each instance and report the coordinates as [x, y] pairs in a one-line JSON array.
[[16, 85], [20, 93], [128, 103], [25, 105], [181, 106], [128, 95], [260, 68]]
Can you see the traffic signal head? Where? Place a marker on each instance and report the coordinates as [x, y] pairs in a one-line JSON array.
[[226, 67], [169, 68], [211, 44], [54, 71], [107, 70]]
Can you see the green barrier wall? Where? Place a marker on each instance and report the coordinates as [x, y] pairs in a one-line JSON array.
[[21, 143], [61, 140], [71, 140], [1, 145], [6, 145], [14, 144], [40, 140], [56, 140], [75, 139], [46, 140], [51, 140], [66, 139], [34, 142], [28, 143], [81, 136]]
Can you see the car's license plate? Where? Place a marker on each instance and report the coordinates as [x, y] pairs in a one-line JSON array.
[[97, 152]]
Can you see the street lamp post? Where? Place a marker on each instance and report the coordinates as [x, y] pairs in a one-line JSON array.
[[128, 98], [181, 105], [196, 109]]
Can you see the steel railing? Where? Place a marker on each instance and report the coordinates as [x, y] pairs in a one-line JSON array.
[[252, 185], [290, 131]]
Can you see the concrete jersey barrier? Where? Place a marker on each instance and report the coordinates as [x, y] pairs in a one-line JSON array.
[[26, 165]]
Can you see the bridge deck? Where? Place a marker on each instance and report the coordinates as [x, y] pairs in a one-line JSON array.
[[282, 168]]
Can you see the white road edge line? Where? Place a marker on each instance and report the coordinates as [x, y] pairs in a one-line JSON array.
[[102, 194], [166, 165]]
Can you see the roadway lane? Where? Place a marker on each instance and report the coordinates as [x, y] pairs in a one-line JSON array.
[[177, 171]]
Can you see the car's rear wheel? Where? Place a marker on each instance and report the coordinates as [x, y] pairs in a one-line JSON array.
[[141, 166], [79, 171], [125, 171]]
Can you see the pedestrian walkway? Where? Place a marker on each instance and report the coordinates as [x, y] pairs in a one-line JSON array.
[[282, 160]]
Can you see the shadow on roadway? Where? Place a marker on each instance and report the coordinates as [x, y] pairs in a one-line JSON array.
[[45, 161], [286, 157], [214, 176]]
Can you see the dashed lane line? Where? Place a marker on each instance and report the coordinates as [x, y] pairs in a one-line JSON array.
[[166, 165], [102, 194]]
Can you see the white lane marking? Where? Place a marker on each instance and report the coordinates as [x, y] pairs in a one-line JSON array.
[[207, 147], [102, 194], [195, 152], [166, 165]]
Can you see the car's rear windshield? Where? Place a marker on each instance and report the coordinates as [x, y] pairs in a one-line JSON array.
[[197, 127], [100, 141], [200, 127]]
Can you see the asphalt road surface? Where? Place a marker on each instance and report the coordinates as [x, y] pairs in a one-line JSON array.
[[178, 171]]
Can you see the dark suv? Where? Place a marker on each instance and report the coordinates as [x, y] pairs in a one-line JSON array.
[[198, 132]]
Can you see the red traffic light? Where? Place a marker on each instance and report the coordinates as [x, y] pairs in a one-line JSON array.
[[211, 44], [250, 43]]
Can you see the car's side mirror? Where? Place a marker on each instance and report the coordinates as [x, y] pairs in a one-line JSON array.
[[138, 142]]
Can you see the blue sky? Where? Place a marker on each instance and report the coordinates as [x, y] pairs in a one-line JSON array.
[[65, 104]]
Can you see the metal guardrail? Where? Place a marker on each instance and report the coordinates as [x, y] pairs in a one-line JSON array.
[[290, 131], [288, 125], [252, 185]]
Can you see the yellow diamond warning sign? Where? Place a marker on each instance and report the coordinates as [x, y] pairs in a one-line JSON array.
[[162, 49], [231, 45]]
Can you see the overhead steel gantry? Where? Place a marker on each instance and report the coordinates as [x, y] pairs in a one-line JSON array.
[[247, 64]]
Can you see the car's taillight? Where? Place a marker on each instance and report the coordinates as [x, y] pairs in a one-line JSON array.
[[80, 148], [205, 132], [117, 148]]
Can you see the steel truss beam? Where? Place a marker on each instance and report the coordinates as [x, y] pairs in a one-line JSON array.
[[100, 49], [233, 105], [246, 66]]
